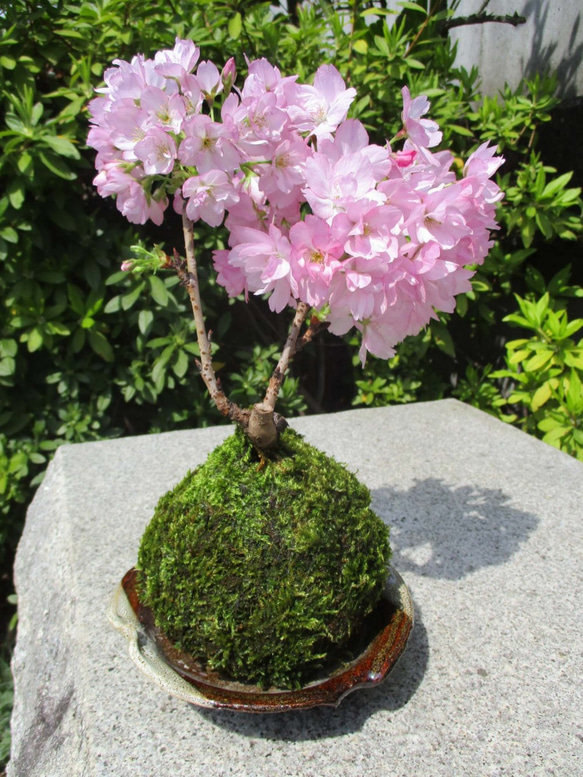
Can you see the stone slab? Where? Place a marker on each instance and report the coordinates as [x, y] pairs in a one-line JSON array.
[[487, 531]]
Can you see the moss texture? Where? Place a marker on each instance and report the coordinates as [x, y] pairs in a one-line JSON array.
[[263, 570]]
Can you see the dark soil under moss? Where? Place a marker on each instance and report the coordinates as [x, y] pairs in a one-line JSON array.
[[262, 569]]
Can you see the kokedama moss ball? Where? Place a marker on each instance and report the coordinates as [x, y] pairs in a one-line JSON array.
[[263, 569]]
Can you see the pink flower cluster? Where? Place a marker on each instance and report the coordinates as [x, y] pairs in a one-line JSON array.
[[369, 236]]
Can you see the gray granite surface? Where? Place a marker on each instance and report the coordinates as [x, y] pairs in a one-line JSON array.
[[487, 528]]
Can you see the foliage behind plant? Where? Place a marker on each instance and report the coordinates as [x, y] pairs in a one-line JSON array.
[[88, 352]]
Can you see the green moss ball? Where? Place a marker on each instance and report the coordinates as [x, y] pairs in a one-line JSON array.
[[263, 569]]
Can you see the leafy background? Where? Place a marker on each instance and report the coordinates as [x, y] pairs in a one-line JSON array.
[[88, 352]]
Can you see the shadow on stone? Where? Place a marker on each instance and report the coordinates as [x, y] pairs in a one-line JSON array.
[[448, 533], [353, 712]]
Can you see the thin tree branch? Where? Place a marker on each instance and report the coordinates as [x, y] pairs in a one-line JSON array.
[[315, 326], [189, 276], [287, 354]]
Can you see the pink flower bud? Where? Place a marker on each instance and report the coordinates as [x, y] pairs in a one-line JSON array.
[[229, 74]]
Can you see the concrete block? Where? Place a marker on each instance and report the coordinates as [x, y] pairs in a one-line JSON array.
[[487, 531], [550, 41]]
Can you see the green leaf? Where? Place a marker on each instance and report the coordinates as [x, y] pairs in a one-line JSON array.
[[35, 340], [462, 305], [459, 130], [378, 12], [78, 340], [8, 347], [37, 111], [8, 62], [62, 146], [180, 366], [56, 165], [573, 326], [16, 193], [527, 232], [554, 436], [235, 26], [24, 164], [541, 396], [158, 374], [9, 234], [413, 7], [574, 395], [116, 277], [145, 320], [382, 45], [415, 64], [129, 299], [360, 46], [541, 307], [7, 367], [100, 345], [14, 123], [518, 356], [574, 358], [556, 185], [538, 361], [76, 299], [443, 339], [158, 290], [548, 423], [113, 305], [544, 224]]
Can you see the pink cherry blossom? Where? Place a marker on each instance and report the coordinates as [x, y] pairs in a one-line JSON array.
[[209, 145], [162, 110], [208, 196], [320, 108], [315, 256], [331, 186], [286, 171], [265, 78], [209, 79], [378, 237], [177, 62], [233, 279], [264, 258], [138, 208], [438, 218], [157, 151], [423, 132]]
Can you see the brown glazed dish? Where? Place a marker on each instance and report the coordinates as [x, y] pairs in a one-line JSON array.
[[369, 660]]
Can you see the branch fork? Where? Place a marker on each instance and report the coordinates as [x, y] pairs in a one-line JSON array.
[[261, 423]]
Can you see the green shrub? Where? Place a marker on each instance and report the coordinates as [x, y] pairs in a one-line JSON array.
[[86, 351], [541, 225]]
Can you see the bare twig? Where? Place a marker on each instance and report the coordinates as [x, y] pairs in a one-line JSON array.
[[315, 326], [287, 354], [189, 276]]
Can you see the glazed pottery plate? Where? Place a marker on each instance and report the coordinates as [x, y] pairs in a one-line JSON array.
[[375, 652]]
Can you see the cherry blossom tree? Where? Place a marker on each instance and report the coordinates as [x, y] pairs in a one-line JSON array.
[[345, 232]]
